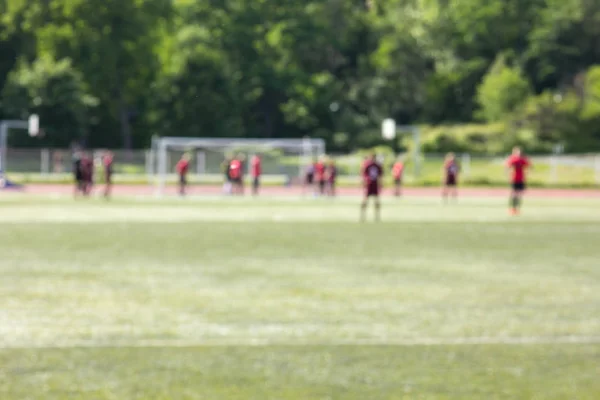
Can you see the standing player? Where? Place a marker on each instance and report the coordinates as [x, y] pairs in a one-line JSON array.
[[331, 176], [397, 173], [235, 174], [518, 163], [182, 167], [372, 173], [256, 171], [87, 173], [107, 161], [320, 176], [450, 171]]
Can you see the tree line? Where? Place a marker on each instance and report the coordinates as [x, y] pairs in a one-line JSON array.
[[113, 73]]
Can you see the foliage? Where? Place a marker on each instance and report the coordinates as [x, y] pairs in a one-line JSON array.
[[502, 90], [55, 91], [331, 69]]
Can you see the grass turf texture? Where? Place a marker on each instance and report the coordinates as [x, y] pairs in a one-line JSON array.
[[290, 299]]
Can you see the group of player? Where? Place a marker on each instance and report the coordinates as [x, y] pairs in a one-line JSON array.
[[321, 177], [84, 166], [233, 169], [372, 173]]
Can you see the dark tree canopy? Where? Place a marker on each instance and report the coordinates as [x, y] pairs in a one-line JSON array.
[[116, 72]]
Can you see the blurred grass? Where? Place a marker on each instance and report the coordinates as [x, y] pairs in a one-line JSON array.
[[121, 285]]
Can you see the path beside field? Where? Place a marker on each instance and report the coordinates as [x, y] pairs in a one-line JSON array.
[[143, 190]]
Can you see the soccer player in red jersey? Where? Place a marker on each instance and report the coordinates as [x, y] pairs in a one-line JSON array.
[[331, 176], [397, 172], [107, 161], [320, 170], [182, 167], [372, 172], [256, 165], [451, 170], [87, 174], [236, 175], [519, 164]]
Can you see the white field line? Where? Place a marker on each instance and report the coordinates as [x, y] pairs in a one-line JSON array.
[[423, 342]]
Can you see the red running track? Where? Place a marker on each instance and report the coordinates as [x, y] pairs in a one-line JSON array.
[[143, 190]]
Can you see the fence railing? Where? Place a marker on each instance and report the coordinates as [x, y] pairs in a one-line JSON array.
[[548, 169]]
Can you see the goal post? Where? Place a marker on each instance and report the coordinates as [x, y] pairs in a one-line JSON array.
[[281, 157]]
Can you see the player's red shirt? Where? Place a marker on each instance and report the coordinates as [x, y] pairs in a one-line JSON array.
[[320, 171], [182, 167], [256, 167], [451, 168], [235, 169], [372, 172], [398, 169], [518, 165], [108, 161]]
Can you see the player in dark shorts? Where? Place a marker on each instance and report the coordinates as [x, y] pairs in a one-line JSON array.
[[331, 177], [320, 177], [236, 175], [451, 170], [107, 162], [182, 167], [518, 163], [87, 174], [397, 173], [372, 172]]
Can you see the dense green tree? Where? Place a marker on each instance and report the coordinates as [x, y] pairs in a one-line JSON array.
[[326, 68], [56, 92], [502, 90]]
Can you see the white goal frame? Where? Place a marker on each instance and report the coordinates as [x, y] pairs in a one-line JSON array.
[[307, 149]]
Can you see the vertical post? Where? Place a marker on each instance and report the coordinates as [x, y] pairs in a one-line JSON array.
[[466, 164], [162, 167], [45, 161], [417, 151], [597, 162]]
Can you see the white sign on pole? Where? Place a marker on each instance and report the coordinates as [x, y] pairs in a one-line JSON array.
[[388, 129], [34, 125]]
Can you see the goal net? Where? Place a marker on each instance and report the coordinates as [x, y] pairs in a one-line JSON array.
[[283, 160]]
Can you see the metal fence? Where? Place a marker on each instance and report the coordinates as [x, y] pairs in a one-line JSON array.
[[548, 169]]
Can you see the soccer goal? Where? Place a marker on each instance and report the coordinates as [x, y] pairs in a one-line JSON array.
[[283, 160]]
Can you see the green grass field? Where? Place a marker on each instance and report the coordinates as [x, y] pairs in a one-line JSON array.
[[291, 299]]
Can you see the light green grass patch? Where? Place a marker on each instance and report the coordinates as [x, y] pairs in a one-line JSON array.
[[293, 299]]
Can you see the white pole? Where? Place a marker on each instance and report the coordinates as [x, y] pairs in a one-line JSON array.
[[45, 161]]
